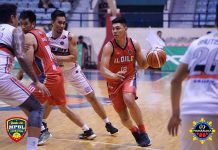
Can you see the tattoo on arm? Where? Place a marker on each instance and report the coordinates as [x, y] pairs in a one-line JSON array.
[[18, 45]]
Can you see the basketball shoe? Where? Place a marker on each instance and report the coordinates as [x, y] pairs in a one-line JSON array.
[[87, 135], [145, 141], [142, 139], [45, 135], [110, 128]]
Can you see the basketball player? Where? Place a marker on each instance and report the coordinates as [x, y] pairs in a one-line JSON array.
[[118, 67], [47, 71], [199, 66], [63, 46], [12, 91]]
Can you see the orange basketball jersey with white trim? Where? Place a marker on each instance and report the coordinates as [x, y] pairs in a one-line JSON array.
[[44, 62], [123, 59]]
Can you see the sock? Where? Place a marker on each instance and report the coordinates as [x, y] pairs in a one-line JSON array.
[[133, 129], [85, 127], [42, 127], [44, 120], [32, 143], [106, 120], [141, 128]]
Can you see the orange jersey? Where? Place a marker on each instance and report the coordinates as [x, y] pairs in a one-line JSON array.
[[123, 59], [44, 62]]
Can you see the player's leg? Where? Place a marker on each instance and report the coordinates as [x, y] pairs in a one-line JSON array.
[[88, 133], [99, 109], [34, 121], [14, 93], [129, 96], [121, 109], [45, 135], [135, 113], [82, 86]]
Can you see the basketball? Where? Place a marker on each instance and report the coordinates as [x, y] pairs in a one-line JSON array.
[[156, 58]]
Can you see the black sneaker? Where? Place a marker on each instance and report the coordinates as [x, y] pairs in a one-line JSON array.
[[137, 137], [145, 141], [87, 135], [111, 129]]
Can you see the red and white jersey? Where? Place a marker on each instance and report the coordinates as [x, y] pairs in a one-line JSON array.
[[123, 59], [6, 48], [44, 62], [59, 46], [201, 91]]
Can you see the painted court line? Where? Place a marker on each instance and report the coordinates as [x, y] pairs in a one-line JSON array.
[[80, 141]]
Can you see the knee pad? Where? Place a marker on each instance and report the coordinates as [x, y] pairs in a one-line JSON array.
[[35, 111], [35, 117]]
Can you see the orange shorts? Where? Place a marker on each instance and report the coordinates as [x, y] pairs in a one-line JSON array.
[[55, 85], [116, 90]]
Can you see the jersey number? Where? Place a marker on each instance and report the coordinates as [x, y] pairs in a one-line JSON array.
[[205, 58]]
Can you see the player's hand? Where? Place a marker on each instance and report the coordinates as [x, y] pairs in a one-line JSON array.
[[42, 88], [20, 74], [173, 125], [119, 75]]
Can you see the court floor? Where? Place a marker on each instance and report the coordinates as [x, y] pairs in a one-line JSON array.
[[154, 101]]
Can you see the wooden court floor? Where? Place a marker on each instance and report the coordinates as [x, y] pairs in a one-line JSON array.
[[154, 101]]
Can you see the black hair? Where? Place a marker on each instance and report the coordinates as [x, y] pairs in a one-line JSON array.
[[57, 13], [80, 37], [28, 14], [6, 11], [121, 20]]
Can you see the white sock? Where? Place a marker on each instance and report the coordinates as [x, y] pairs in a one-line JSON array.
[[42, 127], [85, 127], [106, 120], [44, 120], [32, 143]]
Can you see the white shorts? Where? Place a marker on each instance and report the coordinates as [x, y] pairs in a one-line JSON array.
[[187, 142], [12, 92], [78, 80]]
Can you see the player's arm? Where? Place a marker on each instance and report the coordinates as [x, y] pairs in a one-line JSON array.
[[73, 51], [176, 89], [140, 58], [26, 64], [105, 60]]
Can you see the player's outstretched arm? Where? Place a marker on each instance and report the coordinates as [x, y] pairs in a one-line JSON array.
[[140, 58], [18, 45]]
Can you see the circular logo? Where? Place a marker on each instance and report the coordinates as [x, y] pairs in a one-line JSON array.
[[202, 130]]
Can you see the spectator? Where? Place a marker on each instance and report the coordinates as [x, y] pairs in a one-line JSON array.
[[85, 51], [102, 7], [159, 33], [45, 4], [81, 41]]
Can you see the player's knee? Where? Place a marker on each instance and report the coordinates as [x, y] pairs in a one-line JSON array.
[[63, 109], [129, 102], [31, 104], [35, 111], [91, 97], [35, 117]]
